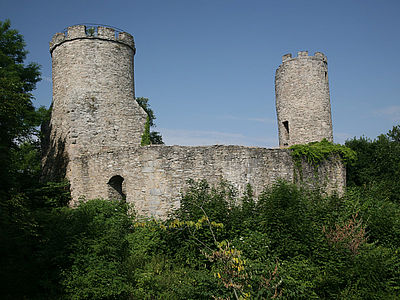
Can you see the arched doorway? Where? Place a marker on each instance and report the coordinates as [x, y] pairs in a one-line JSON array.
[[115, 188]]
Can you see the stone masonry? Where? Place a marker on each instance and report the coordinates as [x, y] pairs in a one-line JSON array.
[[154, 176], [302, 99], [94, 135], [94, 105]]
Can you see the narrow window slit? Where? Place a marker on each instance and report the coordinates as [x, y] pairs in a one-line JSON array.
[[286, 132], [286, 125]]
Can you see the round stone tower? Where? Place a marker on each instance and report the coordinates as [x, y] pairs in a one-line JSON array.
[[94, 106], [302, 99]]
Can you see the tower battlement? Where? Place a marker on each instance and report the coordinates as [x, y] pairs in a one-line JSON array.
[[92, 32], [304, 54]]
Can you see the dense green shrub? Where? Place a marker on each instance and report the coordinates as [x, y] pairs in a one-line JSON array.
[[288, 243], [377, 167], [320, 245], [97, 251]]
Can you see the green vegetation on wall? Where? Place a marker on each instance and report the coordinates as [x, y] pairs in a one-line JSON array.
[[146, 133], [149, 137], [316, 152]]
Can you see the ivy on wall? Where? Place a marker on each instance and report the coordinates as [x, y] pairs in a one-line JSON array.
[[149, 137], [317, 152], [146, 134]]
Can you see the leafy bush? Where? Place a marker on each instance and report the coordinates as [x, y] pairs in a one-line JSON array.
[[377, 167], [288, 243], [98, 251]]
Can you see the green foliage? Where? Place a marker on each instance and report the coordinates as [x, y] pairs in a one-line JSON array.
[[23, 204], [288, 243], [18, 118], [281, 212], [377, 167], [383, 215], [156, 138], [144, 103], [152, 271], [98, 249], [24, 217], [316, 152], [146, 134], [394, 134], [25, 165], [319, 243], [149, 137], [91, 31]]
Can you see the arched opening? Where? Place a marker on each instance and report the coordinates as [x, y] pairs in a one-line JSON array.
[[115, 188]]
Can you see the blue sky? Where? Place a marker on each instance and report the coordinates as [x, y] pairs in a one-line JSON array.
[[208, 65]]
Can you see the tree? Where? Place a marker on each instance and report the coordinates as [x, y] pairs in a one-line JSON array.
[[149, 137], [20, 164], [18, 118], [378, 164], [394, 134]]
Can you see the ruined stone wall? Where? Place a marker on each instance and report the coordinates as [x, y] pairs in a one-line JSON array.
[[96, 126], [302, 99], [94, 104], [155, 176]]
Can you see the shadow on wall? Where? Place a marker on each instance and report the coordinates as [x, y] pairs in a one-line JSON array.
[[54, 166]]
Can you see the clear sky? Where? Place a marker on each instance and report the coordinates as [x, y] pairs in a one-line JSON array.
[[208, 66]]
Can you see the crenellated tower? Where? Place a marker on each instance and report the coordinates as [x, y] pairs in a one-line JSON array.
[[302, 99], [94, 105]]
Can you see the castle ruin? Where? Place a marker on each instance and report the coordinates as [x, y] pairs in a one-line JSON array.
[[94, 135]]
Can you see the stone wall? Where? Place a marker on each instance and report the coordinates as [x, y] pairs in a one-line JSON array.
[[155, 176], [94, 104], [302, 99]]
